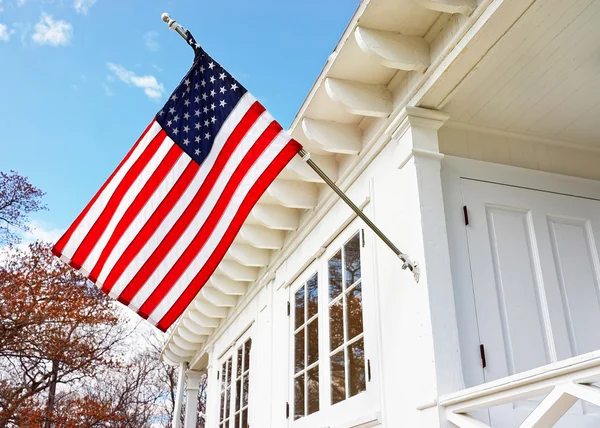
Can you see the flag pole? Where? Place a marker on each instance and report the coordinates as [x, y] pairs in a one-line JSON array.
[[407, 263]]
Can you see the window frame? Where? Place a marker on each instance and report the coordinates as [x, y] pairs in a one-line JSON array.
[[368, 401], [231, 352]]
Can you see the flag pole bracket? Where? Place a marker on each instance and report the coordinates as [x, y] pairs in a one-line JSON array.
[[174, 25]]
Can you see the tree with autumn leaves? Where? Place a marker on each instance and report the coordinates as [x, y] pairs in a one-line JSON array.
[[67, 356]]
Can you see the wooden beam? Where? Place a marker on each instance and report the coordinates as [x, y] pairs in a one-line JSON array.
[[214, 296], [237, 271], [172, 359], [228, 286], [394, 50], [589, 393], [333, 137], [261, 237], [202, 320], [180, 351], [292, 194], [193, 331], [360, 98], [551, 409], [184, 343], [275, 216], [209, 309], [248, 255], [464, 7], [297, 169], [465, 421]]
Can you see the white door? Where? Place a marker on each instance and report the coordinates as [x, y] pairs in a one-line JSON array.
[[535, 272]]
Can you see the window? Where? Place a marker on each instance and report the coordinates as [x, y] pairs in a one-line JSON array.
[[235, 383], [346, 344], [330, 373], [306, 348]]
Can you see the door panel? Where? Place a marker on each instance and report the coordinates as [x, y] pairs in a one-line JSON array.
[[535, 274]]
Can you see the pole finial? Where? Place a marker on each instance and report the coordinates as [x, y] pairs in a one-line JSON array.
[[165, 17]]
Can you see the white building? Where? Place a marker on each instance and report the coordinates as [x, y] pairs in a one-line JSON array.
[[469, 131]]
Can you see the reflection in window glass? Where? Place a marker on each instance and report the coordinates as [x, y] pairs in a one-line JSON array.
[[306, 349], [347, 360], [236, 417]]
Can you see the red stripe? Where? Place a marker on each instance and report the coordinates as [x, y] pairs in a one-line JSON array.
[[190, 253], [181, 224], [263, 182], [62, 242], [94, 234], [155, 180]]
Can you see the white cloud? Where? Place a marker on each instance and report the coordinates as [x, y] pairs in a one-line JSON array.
[[51, 32], [152, 88], [40, 231], [109, 92], [151, 41], [83, 6], [5, 33]]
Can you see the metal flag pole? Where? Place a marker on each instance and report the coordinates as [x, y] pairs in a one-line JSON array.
[[406, 261]]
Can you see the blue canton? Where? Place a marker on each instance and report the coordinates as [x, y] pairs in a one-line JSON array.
[[195, 112]]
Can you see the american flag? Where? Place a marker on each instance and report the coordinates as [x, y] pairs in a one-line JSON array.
[[159, 226]]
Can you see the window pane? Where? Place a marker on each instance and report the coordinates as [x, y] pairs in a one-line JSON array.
[[236, 420], [312, 340], [336, 324], [228, 372], [299, 350], [356, 366], [245, 418], [312, 385], [228, 403], [239, 361], [222, 406], [223, 375], [312, 296], [238, 393], [246, 392], [299, 310], [335, 275], [247, 347], [299, 397], [354, 312], [338, 379], [352, 260]]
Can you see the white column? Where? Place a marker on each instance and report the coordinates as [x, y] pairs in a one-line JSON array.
[[418, 158], [179, 395], [191, 398], [212, 390]]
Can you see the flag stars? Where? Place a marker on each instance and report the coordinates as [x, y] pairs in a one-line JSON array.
[[212, 106], [234, 86], [204, 96], [172, 110], [186, 142], [222, 76], [176, 131], [197, 139], [161, 113], [211, 65], [187, 102], [197, 152], [197, 125], [206, 122], [197, 99], [186, 116], [197, 113], [212, 79], [213, 119], [196, 86], [222, 103], [169, 123], [222, 90], [207, 135], [174, 97], [187, 82], [186, 128], [176, 118], [203, 83], [202, 69], [205, 109]]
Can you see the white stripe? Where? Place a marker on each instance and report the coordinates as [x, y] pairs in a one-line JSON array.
[[95, 211], [249, 180], [133, 191], [207, 207], [144, 215], [162, 229]]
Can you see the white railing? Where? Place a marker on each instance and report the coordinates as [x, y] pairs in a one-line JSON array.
[[564, 382]]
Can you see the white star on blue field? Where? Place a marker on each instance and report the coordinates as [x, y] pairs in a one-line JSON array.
[[81, 79]]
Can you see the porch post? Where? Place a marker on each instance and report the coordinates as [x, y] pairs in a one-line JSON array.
[[418, 157], [192, 387], [179, 395]]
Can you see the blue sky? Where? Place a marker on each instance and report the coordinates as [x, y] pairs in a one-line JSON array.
[[81, 79]]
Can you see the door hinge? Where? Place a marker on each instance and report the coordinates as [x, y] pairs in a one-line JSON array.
[[369, 370], [466, 215], [287, 410], [289, 308], [482, 354], [362, 235]]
